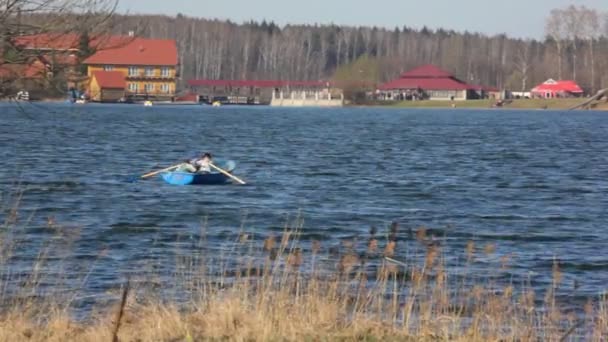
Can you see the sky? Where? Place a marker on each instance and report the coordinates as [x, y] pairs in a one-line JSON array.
[[516, 18]]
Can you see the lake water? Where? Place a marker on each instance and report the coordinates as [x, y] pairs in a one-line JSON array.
[[532, 182]]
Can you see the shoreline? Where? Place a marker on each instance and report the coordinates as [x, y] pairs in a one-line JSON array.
[[528, 104], [518, 104]]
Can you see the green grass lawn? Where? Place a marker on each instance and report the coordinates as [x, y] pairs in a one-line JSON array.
[[515, 104]]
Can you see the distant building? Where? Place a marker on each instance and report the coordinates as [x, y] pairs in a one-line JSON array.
[[148, 66], [554, 89], [273, 92], [36, 60], [432, 83], [107, 86]]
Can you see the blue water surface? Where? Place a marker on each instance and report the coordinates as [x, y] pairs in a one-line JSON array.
[[532, 182]]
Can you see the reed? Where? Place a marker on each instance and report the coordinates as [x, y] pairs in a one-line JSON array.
[[281, 288]]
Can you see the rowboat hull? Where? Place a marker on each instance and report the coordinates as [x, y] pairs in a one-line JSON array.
[[187, 178], [213, 178]]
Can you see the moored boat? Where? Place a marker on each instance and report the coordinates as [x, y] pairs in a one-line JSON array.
[[211, 178]]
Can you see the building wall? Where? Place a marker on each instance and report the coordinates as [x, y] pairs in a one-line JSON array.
[[94, 90], [262, 95], [98, 94], [306, 99], [447, 95], [112, 95], [138, 79], [439, 95]]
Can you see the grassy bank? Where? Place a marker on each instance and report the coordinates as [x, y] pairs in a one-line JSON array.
[[276, 287], [515, 104]]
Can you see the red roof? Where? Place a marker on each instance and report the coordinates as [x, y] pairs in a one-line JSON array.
[[68, 41], [48, 41], [110, 79], [427, 77], [425, 84], [551, 85], [138, 51], [35, 69], [426, 71], [256, 83], [60, 59]]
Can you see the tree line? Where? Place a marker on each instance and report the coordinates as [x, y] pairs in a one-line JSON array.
[[576, 47]]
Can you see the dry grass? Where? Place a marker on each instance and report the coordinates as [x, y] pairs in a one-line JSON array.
[[279, 288]]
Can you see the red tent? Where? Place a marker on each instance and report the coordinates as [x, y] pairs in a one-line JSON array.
[[551, 88]]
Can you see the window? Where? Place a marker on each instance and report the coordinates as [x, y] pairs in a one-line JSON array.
[[164, 88], [133, 87], [165, 72], [149, 87], [108, 68], [133, 71], [149, 71]]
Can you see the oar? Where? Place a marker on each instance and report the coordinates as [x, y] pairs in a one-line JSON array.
[[159, 171], [227, 173]]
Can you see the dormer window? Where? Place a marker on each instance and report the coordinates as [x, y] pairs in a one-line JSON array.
[[149, 71]]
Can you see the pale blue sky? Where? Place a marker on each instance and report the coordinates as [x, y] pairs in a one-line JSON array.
[[517, 18]]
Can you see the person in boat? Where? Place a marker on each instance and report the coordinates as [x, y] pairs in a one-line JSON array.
[[197, 165], [202, 164]]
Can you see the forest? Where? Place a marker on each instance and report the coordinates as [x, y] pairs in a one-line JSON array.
[[575, 47]]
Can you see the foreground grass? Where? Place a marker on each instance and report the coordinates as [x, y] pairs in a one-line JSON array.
[[515, 104], [279, 288]]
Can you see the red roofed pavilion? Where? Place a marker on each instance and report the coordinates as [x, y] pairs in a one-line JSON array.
[[551, 89], [426, 82]]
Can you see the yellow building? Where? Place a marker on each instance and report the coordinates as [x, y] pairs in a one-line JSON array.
[[148, 66]]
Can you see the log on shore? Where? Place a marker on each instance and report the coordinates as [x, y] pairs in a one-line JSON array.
[[598, 96]]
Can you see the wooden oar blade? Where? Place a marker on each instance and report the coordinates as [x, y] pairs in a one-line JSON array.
[[228, 174]]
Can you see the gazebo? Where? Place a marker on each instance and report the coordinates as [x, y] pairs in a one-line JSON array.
[[552, 89]]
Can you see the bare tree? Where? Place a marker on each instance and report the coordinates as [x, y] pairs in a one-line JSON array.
[[522, 64], [591, 32], [555, 29], [51, 17]]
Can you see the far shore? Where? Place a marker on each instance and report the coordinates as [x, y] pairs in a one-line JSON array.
[[554, 104], [523, 104]]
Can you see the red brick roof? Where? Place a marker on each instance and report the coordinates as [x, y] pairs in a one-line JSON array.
[[553, 86], [110, 79], [68, 41], [256, 83], [138, 51]]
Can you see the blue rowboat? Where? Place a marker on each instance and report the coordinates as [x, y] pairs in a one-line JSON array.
[[212, 178]]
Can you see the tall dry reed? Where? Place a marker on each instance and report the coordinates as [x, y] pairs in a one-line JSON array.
[[281, 288]]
